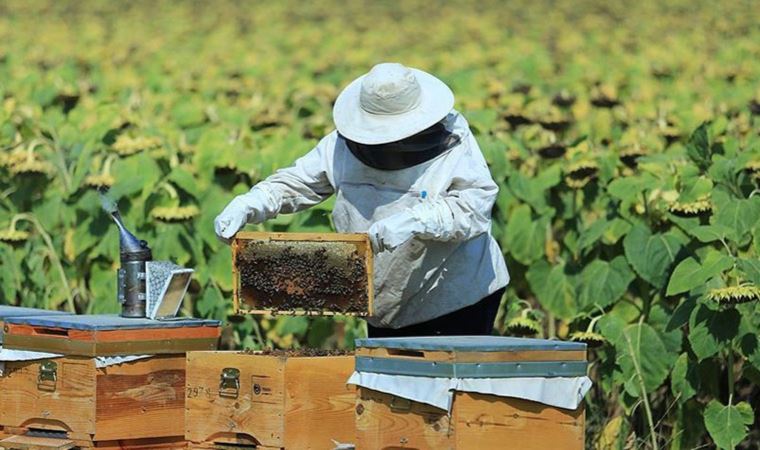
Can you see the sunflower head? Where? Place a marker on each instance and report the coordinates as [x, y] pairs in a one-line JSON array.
[[12, 236], [630, 155], [126, 145], [523, 326], [698, 207], [99, 181], [174, 213], [734, 295], [589, 338], [578, 174], [753, 166], [31, 167]]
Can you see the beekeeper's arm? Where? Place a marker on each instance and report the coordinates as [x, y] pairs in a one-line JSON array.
[[289, 190], [462, 213]]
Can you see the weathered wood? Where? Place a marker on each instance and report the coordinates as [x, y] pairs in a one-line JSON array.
[[134, 400], [110, 342], [245, 304], [478, 422], [429, 355], [386, 421], [280, 402], [36, 443], [485, 421]]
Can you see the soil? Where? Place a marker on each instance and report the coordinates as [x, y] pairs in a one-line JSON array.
[[298, 352], [310, 276]]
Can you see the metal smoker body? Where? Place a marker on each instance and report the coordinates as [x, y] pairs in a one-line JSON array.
[[132, 277]]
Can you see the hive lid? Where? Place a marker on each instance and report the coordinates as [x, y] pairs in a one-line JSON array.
[[471, 357], [470, 344], [106, 322], [18, 311]]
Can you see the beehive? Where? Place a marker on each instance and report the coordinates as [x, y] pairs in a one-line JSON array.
[[138, 403], [302, 273], [268, 400], [477, 421], [15, 311]]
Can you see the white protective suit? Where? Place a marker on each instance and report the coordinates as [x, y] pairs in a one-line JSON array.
[[432, 221]]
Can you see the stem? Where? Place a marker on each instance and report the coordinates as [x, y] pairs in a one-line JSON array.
[[552, 326], [730, 375], [644, 398], [53, 254]]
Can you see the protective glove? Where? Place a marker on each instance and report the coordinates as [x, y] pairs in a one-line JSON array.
[[391, 232], [241, 210]]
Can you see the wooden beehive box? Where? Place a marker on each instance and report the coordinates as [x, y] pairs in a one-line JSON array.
[[269, 400], [477, 421], [140, 404], [106, 335], [302, 273], [7, 312]]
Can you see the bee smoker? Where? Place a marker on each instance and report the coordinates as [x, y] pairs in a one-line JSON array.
[[134, 255]]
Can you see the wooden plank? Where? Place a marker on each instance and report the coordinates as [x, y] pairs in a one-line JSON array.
[[319, 405], [298, 312], [68, 404], [146, 334], [318, 237], [383, 421], [141, 399], [255, 416], [549, 355], [36, 443], [486, 421]]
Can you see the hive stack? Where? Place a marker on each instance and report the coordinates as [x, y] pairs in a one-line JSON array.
[[283, 399], [114, 382], [470, 392]]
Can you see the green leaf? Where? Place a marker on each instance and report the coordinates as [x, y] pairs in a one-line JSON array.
[[603, 283], [684, 379], [184, 180], [689, 273], [710, 233], [738, 217], [554, 289], [220, 268], [727, 424], [712, 329], [651, 255], [750, 268], [525, 235], [643, 358], [698, 146]]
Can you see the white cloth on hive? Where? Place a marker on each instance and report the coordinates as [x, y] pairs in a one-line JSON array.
[[10, 355], [561, 392]]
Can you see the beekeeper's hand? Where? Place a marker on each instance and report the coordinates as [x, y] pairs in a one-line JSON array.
[[233, 218], [391, 232]]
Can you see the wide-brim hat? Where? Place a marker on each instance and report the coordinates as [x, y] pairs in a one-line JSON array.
[[390, 103]]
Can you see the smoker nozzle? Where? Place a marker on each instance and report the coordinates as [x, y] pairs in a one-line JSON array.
[[130, 247]]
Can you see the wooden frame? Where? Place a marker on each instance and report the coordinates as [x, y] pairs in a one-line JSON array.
[[363, 246]]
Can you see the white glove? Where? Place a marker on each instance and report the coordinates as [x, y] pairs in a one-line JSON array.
[[391, 232], [234, 217]]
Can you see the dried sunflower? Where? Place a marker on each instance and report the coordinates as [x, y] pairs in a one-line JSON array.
[[593, 340], [630, 154], [523, 326], [31, 167], [578, 174], [563, 99], [12, 158], [753, 166], [102, 180], [126, 145], [735, 294], [174, 213], [604, 96], [13, 236], [701, 206]]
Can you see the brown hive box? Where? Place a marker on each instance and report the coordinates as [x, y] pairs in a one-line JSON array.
[[477, 421], [68, 401], [277, 400], [302, 273]]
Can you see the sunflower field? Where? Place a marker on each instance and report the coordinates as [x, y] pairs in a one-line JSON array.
[[624, 136]]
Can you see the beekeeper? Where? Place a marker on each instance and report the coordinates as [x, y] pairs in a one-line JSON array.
[[406, 169]]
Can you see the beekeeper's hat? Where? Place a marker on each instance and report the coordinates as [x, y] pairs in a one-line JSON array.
[[390, 103]]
